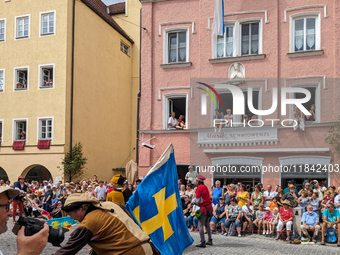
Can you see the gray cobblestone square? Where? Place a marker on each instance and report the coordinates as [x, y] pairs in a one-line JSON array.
[[253, 244]]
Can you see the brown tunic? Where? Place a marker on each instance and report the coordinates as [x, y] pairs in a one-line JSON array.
[[108, 234]]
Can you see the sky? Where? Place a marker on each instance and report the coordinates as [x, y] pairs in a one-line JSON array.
[[108, 2]]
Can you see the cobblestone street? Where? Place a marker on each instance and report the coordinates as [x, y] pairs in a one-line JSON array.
[[255, 244], [232, 245]]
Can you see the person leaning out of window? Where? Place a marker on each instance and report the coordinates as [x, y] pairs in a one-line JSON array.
[[311, 117]]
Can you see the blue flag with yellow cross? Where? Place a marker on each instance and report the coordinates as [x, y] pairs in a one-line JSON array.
[[156, 206]]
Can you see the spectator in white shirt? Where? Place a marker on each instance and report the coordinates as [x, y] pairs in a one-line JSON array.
[[45, 185], [337, 200], [100, 191], [247, 211], [172, 120], [268, 195]]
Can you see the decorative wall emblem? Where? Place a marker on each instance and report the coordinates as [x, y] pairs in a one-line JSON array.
[[236, 73]]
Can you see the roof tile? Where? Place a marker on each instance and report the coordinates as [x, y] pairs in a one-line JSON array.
[[116, 8]]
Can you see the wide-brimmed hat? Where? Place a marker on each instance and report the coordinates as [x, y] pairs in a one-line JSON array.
[[291, 186], [11, 193], [81, 197], [287, 202], [267, 208]]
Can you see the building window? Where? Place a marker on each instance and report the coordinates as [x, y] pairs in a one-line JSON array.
[[305, 33], [178, 104], [312, 105], [46, 128], [124, 48], [47, 23], [177, 46], [21, 78], [46, 79], [20, 130], [2, 30], [22, 27], [2, 80], [239, 39], [227, 101], [225, 43], [250, 39]]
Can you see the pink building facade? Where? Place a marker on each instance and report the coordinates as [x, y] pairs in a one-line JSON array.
[[269, 46]]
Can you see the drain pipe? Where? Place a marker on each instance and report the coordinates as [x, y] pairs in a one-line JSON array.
[[139, 92], [72, 74]]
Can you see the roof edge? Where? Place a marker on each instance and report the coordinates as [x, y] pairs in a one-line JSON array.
[[107, 21]]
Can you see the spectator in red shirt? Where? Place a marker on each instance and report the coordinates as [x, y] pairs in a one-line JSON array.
[[206, 208], [285, 218]]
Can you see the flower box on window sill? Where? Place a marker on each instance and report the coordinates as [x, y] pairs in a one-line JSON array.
[[176, 65], [18, 145], [305, 53], [44, 144], [239, 58]]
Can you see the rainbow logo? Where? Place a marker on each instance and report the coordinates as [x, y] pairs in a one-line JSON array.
[[209, 93]]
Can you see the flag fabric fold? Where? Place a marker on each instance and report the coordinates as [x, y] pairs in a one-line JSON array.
[[218, 23], [157, 208]]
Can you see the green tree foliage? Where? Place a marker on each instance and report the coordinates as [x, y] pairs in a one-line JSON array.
[[333, 137], [74, 162]]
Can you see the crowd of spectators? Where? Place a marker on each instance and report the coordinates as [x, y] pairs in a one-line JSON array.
[[51, 196], [267, 211]]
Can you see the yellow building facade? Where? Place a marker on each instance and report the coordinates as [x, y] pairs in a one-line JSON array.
[[127, 16], [63, 78]]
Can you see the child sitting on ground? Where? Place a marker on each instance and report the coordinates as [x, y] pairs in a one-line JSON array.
[[266, 218], [274, 220], [259, 218], [192, 220]]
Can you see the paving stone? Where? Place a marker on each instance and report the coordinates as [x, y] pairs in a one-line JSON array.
[[254, 244], [257, 245]]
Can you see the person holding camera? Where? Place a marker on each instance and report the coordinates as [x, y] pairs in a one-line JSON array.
[[17, 201], [107, 227], [27, 245]]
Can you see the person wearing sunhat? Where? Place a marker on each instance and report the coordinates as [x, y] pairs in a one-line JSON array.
[[285, 218], [286, 190], [291, 195], [26, 245], [206, 208], [16, 202], [119, 194], [107, 227]]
